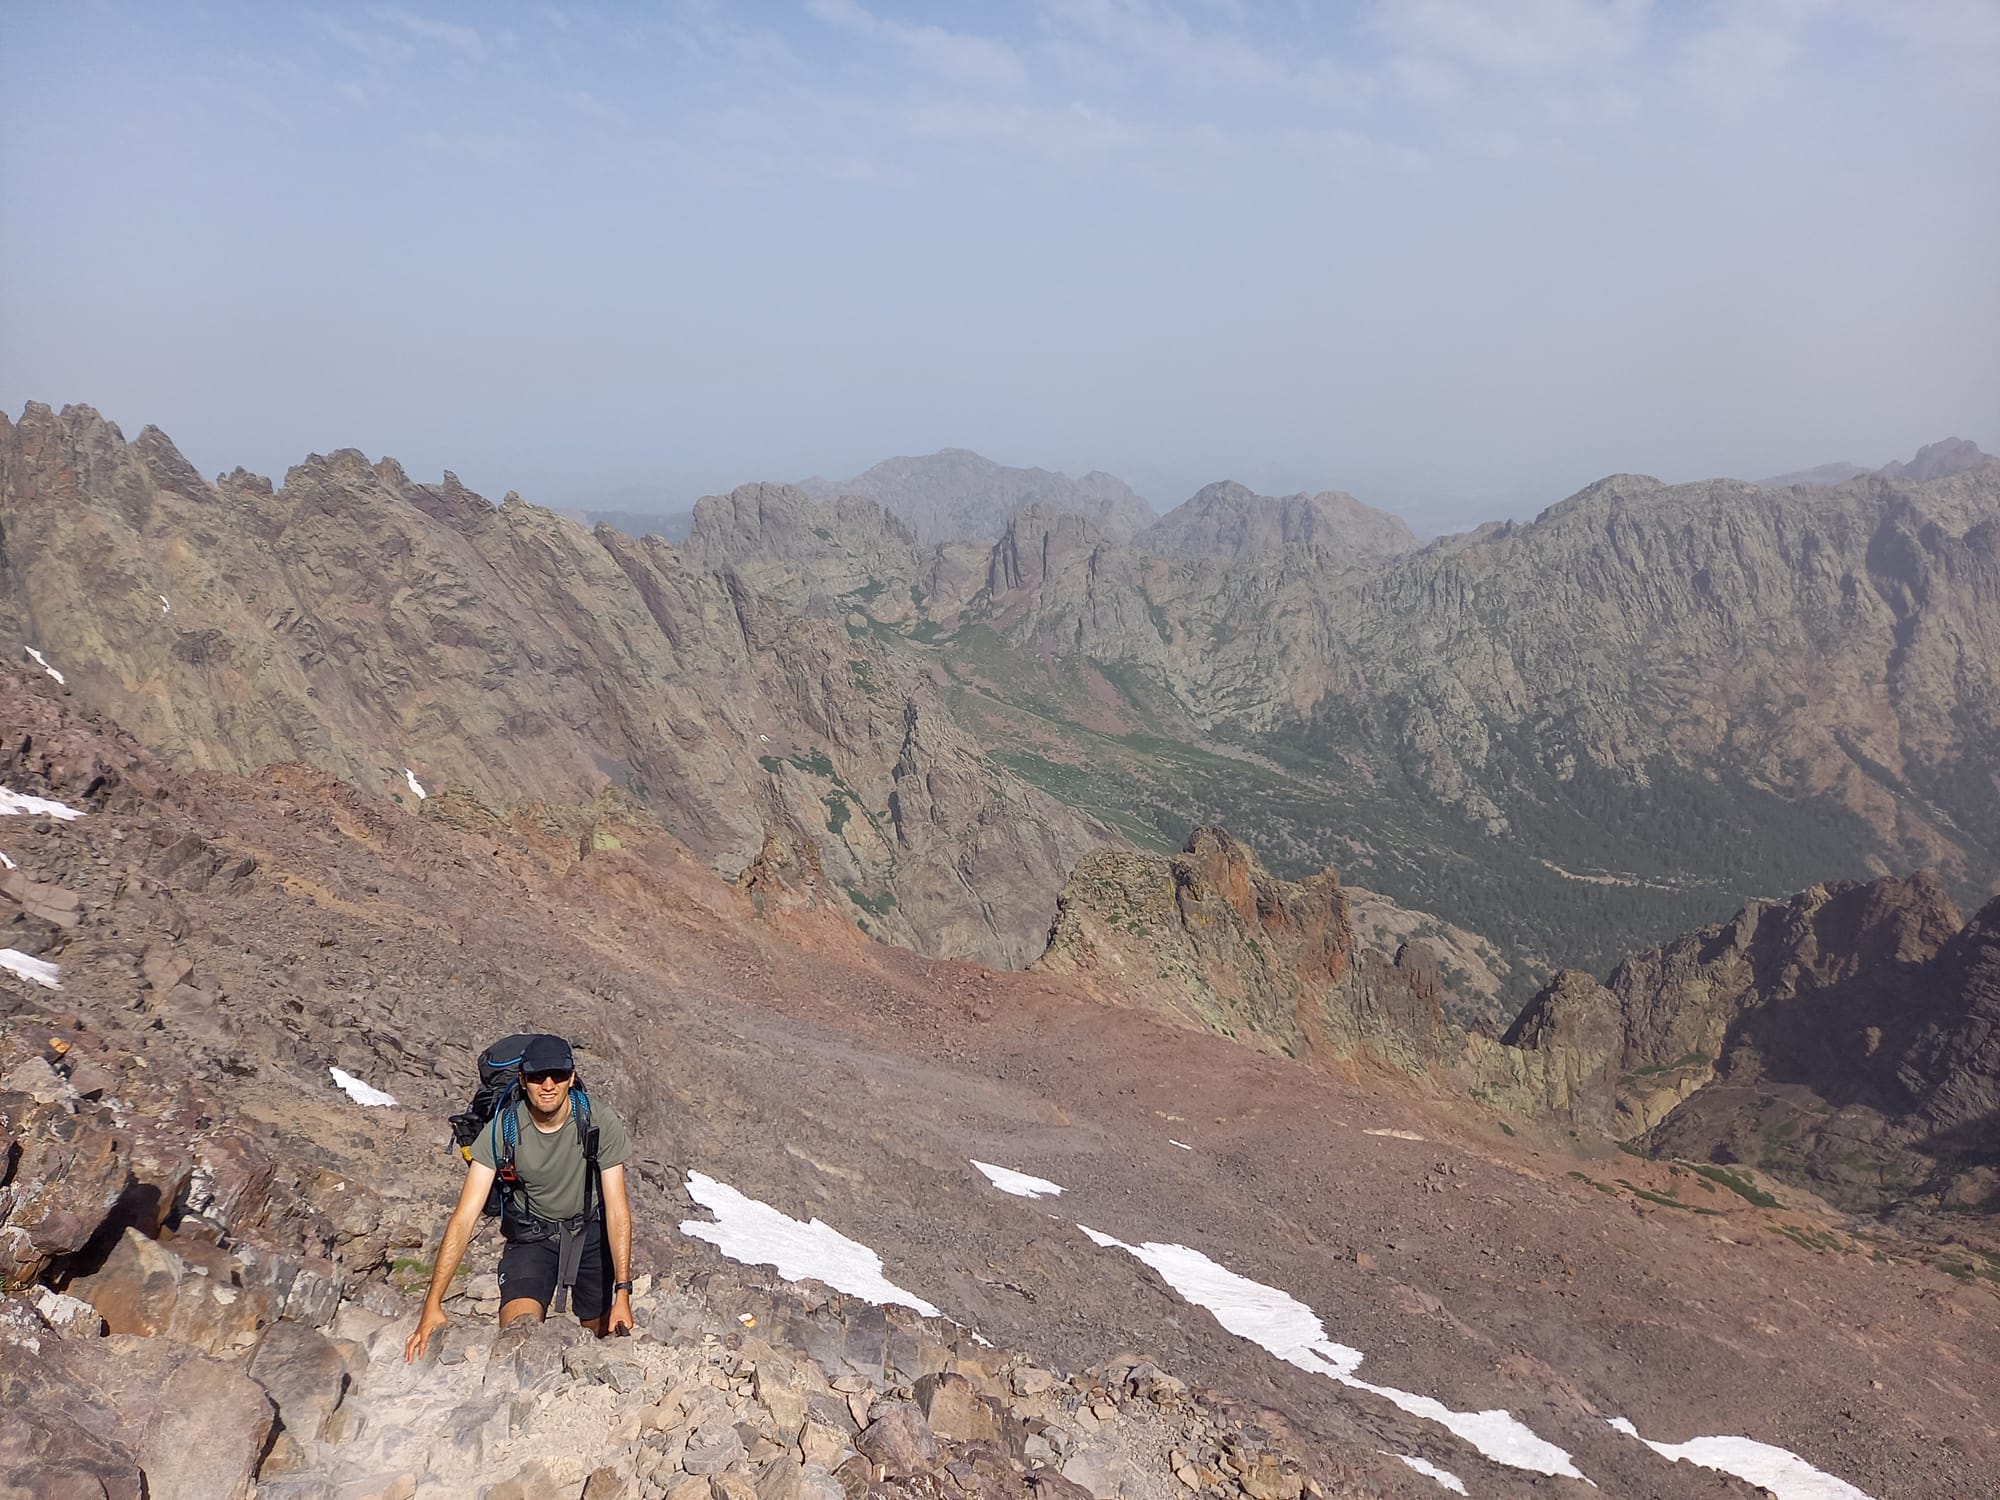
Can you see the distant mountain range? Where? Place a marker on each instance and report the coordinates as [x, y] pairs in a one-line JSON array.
[[1570, 738], [956, 495], [1934, 461]]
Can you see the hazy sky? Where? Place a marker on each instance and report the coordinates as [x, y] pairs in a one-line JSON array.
[[1458, 256]]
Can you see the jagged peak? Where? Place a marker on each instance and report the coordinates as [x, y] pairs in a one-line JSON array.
[[1612, 487], [167, 462], [1953, 455]]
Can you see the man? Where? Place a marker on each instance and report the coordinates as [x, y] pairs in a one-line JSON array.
[[546, 1208]]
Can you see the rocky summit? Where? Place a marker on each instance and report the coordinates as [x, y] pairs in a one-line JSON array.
[[954, 494]]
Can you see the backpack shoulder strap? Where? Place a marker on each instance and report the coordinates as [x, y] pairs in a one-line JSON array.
[[587, 1133]]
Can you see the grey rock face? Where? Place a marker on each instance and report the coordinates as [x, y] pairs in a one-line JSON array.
[[1844, 1039], [1229, 522], [957, 495]]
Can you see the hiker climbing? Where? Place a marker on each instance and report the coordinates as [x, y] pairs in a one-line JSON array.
[[549, 1162]]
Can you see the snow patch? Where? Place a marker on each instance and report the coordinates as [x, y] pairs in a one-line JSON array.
[[1182, 1144], [43, 662], [1279, 1322], [1265, 1316], [759, 1235], [165, 608], [360, 1092], [7, 863], [34, 970], [1778, 1470], [1424, 1466], [415, 785], [1395, 1135], [17, 804], [1020, 1184]]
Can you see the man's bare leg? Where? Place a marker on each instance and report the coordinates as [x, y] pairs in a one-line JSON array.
[[519, 1308]]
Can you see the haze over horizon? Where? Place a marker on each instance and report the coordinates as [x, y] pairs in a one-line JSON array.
[[1457, 263]]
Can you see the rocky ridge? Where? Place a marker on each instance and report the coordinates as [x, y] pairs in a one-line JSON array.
[[408, 636], [1932, 461], [956, 495], [1230, 522], [1520, 727], [1842, 1040], [1211, 939]]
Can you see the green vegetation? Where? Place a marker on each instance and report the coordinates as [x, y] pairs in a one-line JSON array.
[[1666, 1199], [838, 810], [1737, 1183], [878, 905], [1817, 1240]]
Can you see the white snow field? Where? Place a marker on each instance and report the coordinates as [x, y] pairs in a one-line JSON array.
[[1020, 1184], [1425, 1467], [1778, 1470], [360, 1092], [21, 805], [34, 970], [759, 1235], [1281, 1323], [415, 785], [43, 662]]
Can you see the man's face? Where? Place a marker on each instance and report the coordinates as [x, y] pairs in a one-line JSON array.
[[546, 1090]]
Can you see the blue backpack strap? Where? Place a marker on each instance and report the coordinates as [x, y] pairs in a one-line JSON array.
[[586, 1134]]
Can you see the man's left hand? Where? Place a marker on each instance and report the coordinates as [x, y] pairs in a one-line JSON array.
[[619, 1321]]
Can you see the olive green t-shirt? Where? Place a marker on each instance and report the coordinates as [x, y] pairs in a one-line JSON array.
[[551, 1165]]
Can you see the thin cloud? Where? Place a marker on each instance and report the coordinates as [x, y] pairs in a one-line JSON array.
[[1161, 39], [460, 38], [376, 46], [962, 57], [1521, 36]]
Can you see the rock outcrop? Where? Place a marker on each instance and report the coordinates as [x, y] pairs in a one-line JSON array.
[[1212, 939], [1230, 522], [955, 495], [414, 638], [1845, 1039]]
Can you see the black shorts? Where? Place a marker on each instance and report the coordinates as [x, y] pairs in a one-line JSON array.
[[529, 1270]]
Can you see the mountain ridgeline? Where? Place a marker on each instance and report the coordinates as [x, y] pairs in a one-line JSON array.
[[1571, 737]]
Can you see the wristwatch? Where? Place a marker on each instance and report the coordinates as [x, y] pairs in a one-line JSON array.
[[620, 1286]]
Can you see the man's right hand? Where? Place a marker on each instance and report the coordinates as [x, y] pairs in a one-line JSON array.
[[432, 1320]]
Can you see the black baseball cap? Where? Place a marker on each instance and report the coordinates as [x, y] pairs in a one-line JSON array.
[[547, 1054]]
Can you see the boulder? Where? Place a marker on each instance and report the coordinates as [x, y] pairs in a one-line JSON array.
[[303, 1374], [712, 1449], [207, 1429], [954, 1410], [781, 1386], [80, 1178], [147, 1288], [137, 1287], [533, 1482], [899, 1439], [59, 1437], [780, 1479]]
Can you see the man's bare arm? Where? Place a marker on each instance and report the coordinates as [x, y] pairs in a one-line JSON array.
[[618, 1230], [457, 1235]]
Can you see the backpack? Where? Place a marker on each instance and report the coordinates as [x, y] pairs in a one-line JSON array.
[[492, 1110]]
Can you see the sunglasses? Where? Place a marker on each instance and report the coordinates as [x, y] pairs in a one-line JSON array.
[[556, 1077]]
